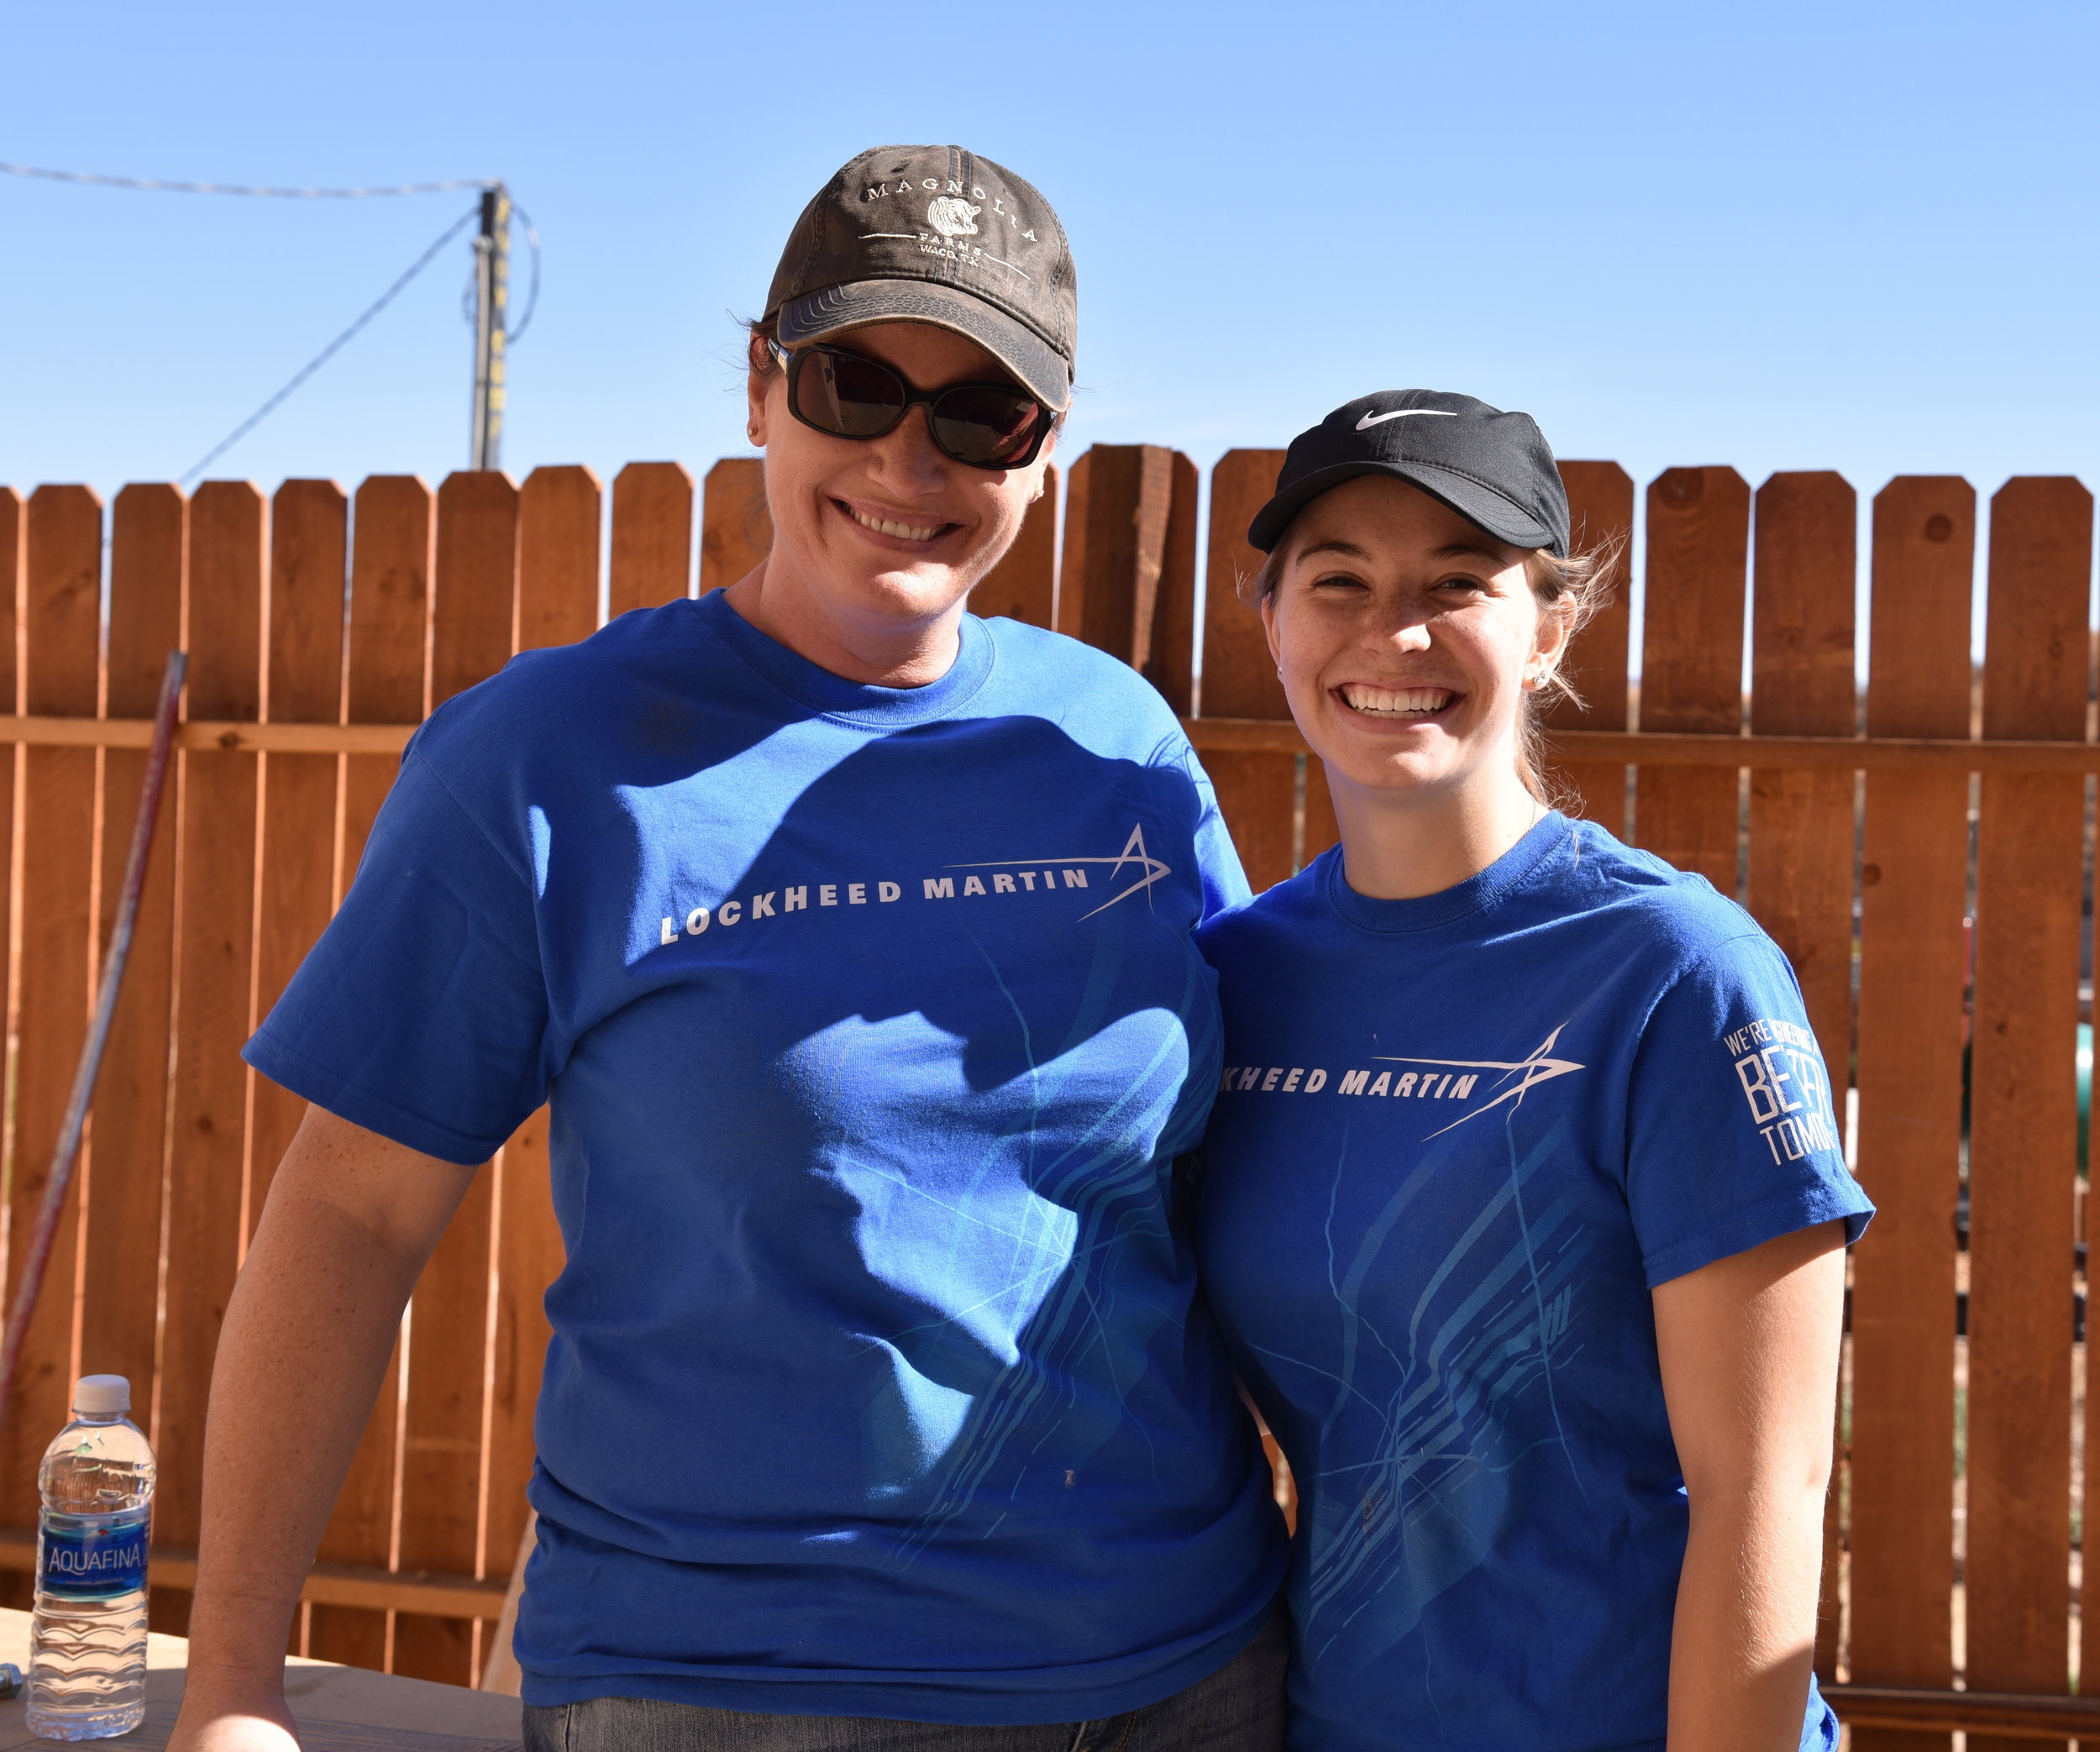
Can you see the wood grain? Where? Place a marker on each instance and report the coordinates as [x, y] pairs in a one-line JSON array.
[[1170, 650], [120, 1307], [2024, 1097], [558, 510], [215, 916], [390, 617], [1600, 516], [651, 535], [1692, 661], [308, 555], [1071, 595], [1023, 586], [1913, 977], [1258, 792], [54, 974], [736, 530]]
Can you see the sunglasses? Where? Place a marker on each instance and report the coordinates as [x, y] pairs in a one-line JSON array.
[[848, 395]]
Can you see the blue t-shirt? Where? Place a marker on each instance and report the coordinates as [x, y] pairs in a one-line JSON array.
[[873, 1024], [1460, 1140]]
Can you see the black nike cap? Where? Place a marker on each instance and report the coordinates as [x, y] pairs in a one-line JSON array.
[[935, 235], [1493, 468]]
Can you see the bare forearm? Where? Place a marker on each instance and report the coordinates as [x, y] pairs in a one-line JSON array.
[[1743, 1635], [304, 1345]]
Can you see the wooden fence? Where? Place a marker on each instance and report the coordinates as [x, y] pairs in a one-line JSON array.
[[1864, 832]]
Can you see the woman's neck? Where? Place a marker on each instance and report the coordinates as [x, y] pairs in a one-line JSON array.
[[1400, 845], [875, 649]]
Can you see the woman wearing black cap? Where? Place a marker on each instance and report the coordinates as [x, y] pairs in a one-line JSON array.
[[851, 940], [1524, 1200]]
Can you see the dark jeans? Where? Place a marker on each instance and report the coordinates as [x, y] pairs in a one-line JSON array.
[[1238, 1708]]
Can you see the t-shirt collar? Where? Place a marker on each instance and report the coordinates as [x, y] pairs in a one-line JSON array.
[[834, 696], [1428, 912]]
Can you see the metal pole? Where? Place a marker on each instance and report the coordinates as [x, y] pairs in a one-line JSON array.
[[491, 287], [39, 1254]]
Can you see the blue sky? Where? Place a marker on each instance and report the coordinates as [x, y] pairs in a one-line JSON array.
[[1786, 236]]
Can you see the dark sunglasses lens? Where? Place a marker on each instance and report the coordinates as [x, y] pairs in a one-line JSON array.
[[978, 423], [853, 397]]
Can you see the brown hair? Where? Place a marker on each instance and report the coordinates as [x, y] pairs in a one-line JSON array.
[[1574, 588]]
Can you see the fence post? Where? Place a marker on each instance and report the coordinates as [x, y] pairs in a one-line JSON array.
[[652, 537], [1600, 512]]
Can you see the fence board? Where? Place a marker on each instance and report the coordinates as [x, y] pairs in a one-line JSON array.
[[120, 1307], [651, 535], [1170, 653], [214, 973], [1912, 974], [308, 555], [1802, 832], [558, 518], [736, 529], [443, 1497], [1258, 792], [390, 615], [1110, 586], [1024, 584], [1692, 662], [61, 608], [2024, 1097], [1600, 516]]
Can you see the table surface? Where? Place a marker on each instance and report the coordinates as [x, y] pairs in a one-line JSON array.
[[339, 1709]]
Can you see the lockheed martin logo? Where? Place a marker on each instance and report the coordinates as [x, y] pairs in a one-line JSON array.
[[1518, 1076], [1133, 865]]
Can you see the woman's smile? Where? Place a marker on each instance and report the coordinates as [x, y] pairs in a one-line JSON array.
[[906, 532], [1396, 703]]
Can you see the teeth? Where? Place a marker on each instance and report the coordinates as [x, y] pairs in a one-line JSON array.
[[886, 526], [1405, 702]]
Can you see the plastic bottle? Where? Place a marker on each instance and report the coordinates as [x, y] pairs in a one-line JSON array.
[[87, 1649]]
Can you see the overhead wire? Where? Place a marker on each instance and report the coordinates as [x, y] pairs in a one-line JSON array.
[[329, 351], [155, 184]]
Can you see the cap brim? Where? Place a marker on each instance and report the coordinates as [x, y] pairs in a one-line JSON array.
[[815, 316], [1501, 518]]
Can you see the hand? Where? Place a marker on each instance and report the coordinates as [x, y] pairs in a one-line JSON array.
[[226, 1713]]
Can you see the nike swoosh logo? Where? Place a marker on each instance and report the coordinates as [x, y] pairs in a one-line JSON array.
[[1401, 413]]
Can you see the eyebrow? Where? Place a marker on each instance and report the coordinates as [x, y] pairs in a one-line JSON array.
[[1451, 550]]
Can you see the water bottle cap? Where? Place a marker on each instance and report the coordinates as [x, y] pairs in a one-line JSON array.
[[102, 1396]]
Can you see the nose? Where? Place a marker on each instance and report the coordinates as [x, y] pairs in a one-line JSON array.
[[906, 460], [1406, 632]]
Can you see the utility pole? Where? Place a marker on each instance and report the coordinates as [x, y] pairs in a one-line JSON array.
[[492, 291]]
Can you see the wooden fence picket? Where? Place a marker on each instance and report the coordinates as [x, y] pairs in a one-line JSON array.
[[1692, 662], [1600, 516], [57, 969], [444, 1486], [557, 515], [308, 558], [736, 529], [1023, 586], [215, 910], [2023, 1124], [1913, 980], [119, 1306], [651, 535], [1258, 792], [391, 567]]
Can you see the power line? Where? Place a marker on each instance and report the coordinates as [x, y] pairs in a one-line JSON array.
[[333, 348], [151, 184]]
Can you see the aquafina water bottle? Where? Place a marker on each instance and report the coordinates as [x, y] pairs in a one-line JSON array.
[[87, 1649]]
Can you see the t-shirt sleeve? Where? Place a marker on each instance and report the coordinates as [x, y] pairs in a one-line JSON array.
[[421, 1012], [1734, 1136], [1225, 884]]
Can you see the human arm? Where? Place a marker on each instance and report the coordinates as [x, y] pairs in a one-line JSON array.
[[350, 1221], [1749, 1350]]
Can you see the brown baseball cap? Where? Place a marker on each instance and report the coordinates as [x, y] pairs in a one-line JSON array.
[[935, 234]]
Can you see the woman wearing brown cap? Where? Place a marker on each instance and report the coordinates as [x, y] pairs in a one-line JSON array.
[[851, 940]]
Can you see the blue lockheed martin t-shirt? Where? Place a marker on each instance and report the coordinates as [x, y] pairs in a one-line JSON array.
[[1460, 1140], [872, 1022]]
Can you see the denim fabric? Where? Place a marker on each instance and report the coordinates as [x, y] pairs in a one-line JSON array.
[[1239, 1708]]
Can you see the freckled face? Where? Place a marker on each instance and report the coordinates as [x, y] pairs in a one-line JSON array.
[[1406, 636], [889, 525]]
